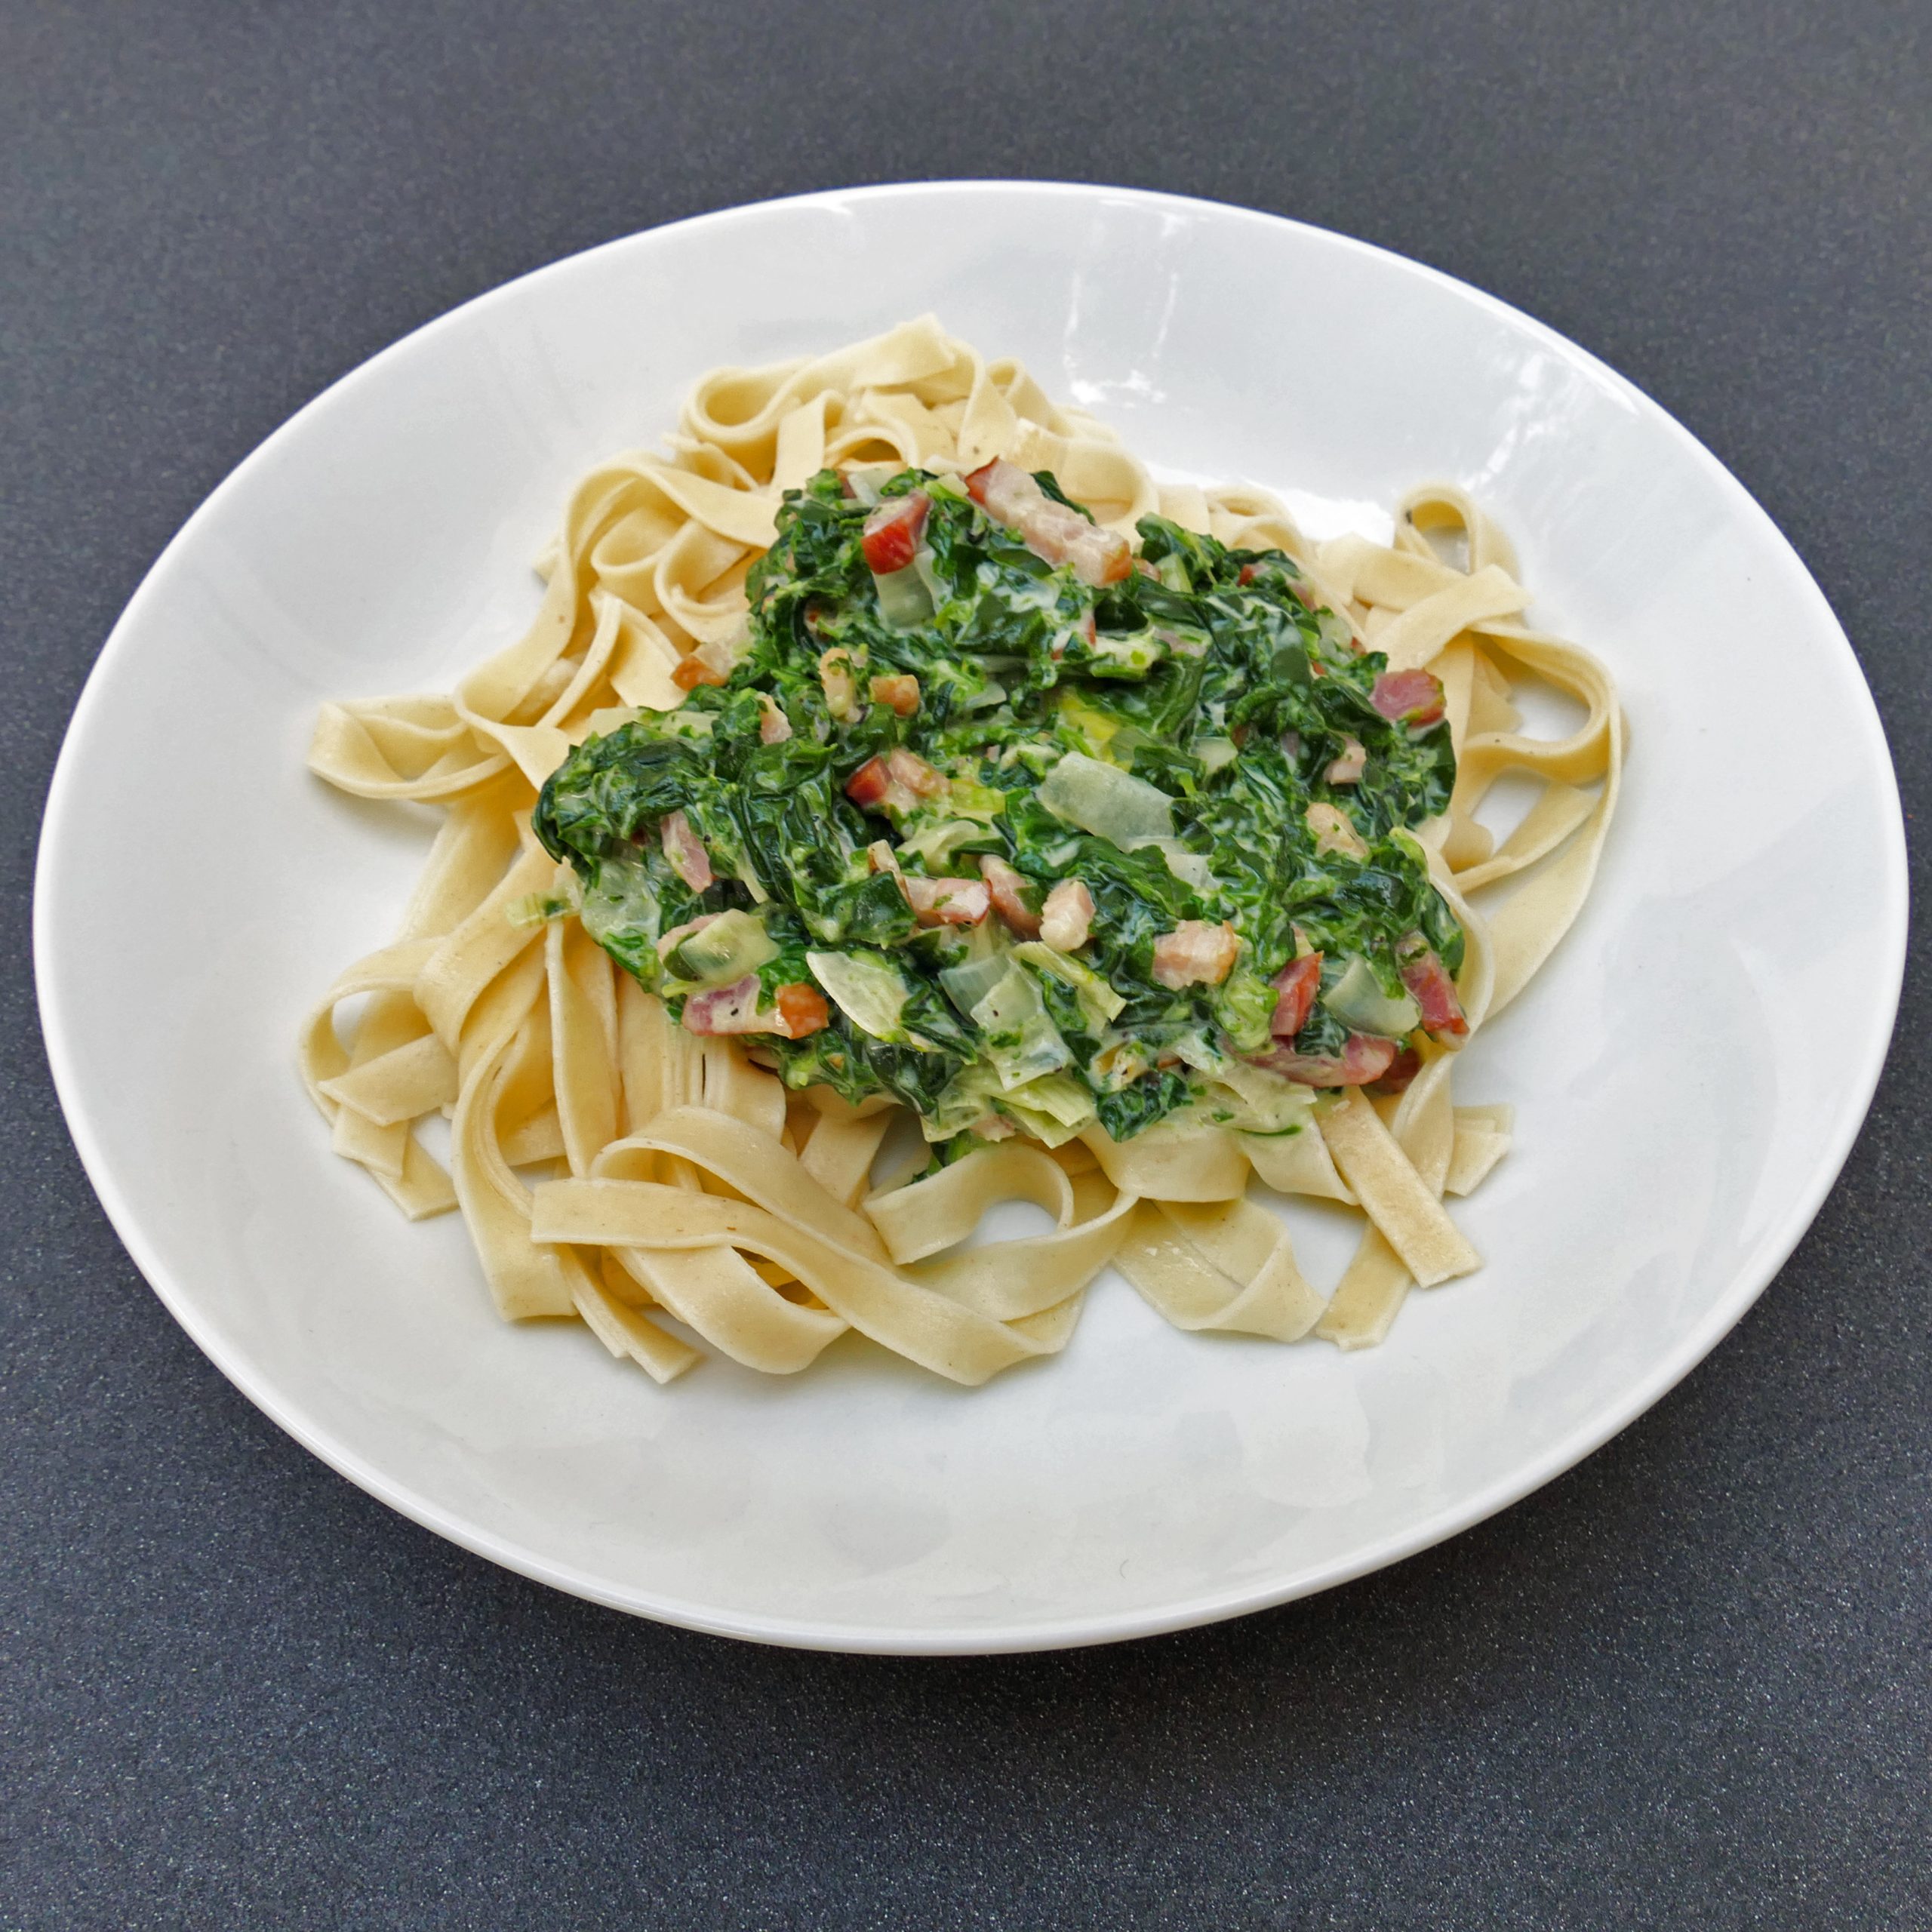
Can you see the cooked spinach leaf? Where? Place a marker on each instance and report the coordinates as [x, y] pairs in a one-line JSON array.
[[822, 799]]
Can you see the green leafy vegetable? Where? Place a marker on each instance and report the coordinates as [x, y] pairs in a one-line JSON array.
[[1159, 739]]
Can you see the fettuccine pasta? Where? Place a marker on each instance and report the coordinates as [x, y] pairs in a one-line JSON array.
[[677, 1162]]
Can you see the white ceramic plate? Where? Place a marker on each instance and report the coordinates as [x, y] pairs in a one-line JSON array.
[[1688, 1074]]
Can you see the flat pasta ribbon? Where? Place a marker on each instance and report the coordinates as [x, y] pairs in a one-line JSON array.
[[614, 1169], [782, 1214]]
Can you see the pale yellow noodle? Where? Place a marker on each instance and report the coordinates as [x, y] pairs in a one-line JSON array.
[[613, 1168], [1422, 1127]]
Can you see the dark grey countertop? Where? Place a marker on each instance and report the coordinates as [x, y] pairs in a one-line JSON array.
[[1688, 1684]]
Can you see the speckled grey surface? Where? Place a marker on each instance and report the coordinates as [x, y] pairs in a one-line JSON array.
[[1688, 1684]]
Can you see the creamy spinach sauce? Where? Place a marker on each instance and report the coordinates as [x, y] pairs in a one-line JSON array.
[[1210, 756]]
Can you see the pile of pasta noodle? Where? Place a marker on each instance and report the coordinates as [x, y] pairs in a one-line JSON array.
[[612, 1168]]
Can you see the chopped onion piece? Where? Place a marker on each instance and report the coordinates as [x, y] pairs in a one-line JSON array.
[[1109, 803]]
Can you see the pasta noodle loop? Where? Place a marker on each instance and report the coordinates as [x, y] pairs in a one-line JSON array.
[[615, 1168]]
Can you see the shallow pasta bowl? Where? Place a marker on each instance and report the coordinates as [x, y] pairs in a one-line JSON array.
[[1678, 1122]]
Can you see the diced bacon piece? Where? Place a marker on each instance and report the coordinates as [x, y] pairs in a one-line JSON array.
[[774, 727], [1089, 629], [1402, 1069], [892, 532], [1295, 985], [1067, 918], [686, 852], [710, 664], [1348, 769], [689, 672], [1249, 572], [1366, 1057], [800, 1010], [894, 783], [1003, 490], [945, 902], [911, 770], [1334, 832], [1429, 984], [899, 693], [841, 688], [732, 1009], [669, 943], [1099, 557], [1196, 953], [871, 783], [1050, 530], [1014, 896], [1411, 697]]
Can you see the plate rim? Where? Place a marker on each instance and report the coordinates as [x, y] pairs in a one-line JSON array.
[[1751, 1279]]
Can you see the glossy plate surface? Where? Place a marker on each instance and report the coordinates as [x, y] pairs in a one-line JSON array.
[[1679, 1117]]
